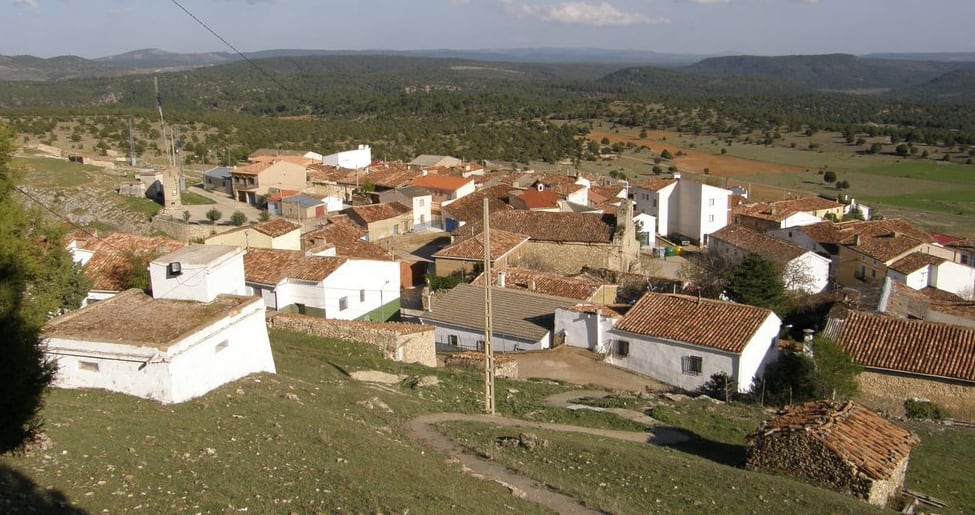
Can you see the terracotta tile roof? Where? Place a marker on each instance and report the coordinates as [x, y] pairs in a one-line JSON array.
[[910, 346], [762, 211], [275, 152], [326, 173], [276, 227], [578, 287], [252, 169], [271, 266], [546, 226], [515, 313], [914, 262], [384, 175], [470, 208], [544, 199], [657, 184], [394, 327], [298, 160], [615, 311], [844, 233], [376, 212], [134, 318], [887, 247], [502, 242], [282, 194], [440, 182], [710, 323], [903, 301], [860, 437], [109, 266], [346, 237], [766, 246]]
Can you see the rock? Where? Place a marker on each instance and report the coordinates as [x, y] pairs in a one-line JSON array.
[[291, 397], [40, 443], [675, 397], [375, 376], [426, 381], [531, 440]]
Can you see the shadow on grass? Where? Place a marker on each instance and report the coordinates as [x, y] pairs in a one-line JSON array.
[[732, 455], [19, 494]]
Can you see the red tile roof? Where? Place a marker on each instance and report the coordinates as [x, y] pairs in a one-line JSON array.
[[502, 242], [253, 168], [886, 247], [327, 173], [858, 436], [388, 175], [910, 346], [545, 199], [270, 266], [766, 246], [275, 228], [579, 287], [914, 262], [346, 237], [657, 184], [720, 325], [470, 208], [110, 265], [376, 212]]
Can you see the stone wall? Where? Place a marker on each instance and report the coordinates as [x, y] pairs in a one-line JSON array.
[[887, 391], [179, 230], [504, 366], [571, 258], [409, 343]]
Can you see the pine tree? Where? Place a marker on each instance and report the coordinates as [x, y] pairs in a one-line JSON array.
[[758, 282]]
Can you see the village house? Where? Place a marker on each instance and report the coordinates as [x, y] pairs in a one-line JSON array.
[[343, 238], [305, 208], [273, 234], [327, 287], [521, 320], [645, 227], [256, 180], [300, 157], [332, 181], [274, 198], [419, 200], [565, 243], [466, 257], [356, 159], [582, 287], [444, 188], [219, 179], [589, 326], [195, 334], [108, 260], [434, 161], [802, 270], [920, 270], [683, 340], [684, 209], [382, 220], [928, 304], [844, 447], [767, 216], [907, 359]]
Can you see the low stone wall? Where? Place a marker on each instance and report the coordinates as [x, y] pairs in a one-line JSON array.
[[886, 392], [409, 343], [504, 366]]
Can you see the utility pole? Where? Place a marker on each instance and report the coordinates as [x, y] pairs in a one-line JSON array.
[[488, 348]]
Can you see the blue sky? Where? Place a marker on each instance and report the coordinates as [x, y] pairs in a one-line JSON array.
[[96, 28]]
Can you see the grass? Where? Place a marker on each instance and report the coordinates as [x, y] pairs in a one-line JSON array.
[[195, 199], [141, 205], [626, 477], [59, 173], [944, 465]]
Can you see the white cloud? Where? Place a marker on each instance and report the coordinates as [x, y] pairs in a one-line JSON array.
[[580, 13], [26, 3]]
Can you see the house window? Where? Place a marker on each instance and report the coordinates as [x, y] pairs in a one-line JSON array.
[[362, 295], [480, 345], [964, 259], [692, 365], [710, 218], [343, 303], [221, 346], [621, 348], [88, 366], [710, 201], [421, 202], [452, 339], [873, 273], [654, 202]]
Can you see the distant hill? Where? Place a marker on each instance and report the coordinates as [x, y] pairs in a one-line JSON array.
[[154, 58], [26, 67], [836, 72], [957, 86], [661, 80], [926, 56]]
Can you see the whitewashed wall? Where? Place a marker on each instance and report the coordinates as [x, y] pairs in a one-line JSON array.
[[661, 360], [356, 275], [584, 330], [201, 283]]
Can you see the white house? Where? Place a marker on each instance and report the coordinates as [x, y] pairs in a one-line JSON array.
[[417, 198], [683, 340], [921, 270], [108, 260], [194, 335], [325, 286], [646, 229], [350, 159], [521, 320], [802, 270], [198, 273], [587, 326], [683, 209], [160, 349]]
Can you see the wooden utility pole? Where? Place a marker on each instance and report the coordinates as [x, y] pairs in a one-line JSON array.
[[488, 349]]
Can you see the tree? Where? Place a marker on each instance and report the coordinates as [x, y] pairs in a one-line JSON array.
[[837, 373], [264, 216], [875, 148], [902, 149], [238, 218], [186, 216], [709, 272], [213, 215], [758, 282], [829, 176], [39, 279], [842, 185], [665, 154]]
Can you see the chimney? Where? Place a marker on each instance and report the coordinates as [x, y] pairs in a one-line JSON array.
[[500, 279], [676, 176], [856, 239], [531, 285], [541, 187]]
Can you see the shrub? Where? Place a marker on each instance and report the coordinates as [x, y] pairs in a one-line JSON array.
[[720, 386], [439, 282], [923, 410]]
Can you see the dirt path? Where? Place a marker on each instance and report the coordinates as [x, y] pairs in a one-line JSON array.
[[424, 428], [582, 367]]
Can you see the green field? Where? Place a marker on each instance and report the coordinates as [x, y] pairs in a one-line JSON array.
[[53, 173], [311, 440], [195, 199]]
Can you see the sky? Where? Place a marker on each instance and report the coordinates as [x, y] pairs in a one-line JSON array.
[[99, 28]]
